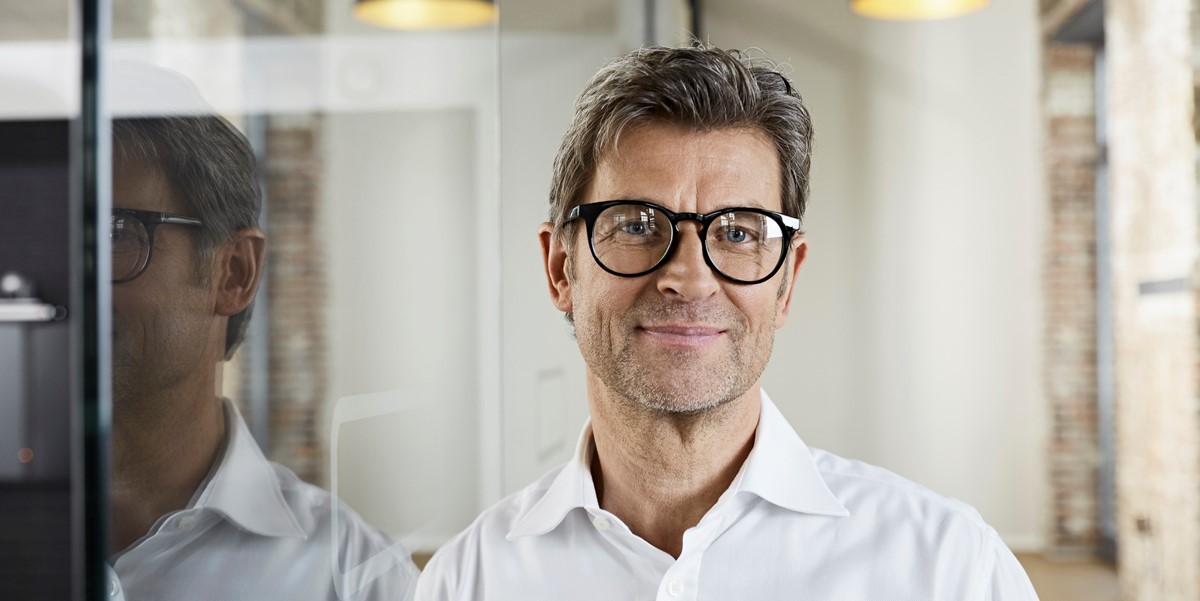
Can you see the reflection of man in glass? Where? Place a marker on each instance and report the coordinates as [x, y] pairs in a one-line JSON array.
[[197, 510], [673, 248]]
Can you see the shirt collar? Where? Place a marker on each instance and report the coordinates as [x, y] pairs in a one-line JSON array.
[[571, 488], [244, 487], [780, 469]]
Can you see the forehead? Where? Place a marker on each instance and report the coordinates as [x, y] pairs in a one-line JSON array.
[[689, 170], [139, 183]]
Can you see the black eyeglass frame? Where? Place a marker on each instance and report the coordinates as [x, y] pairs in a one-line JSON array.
[[150, 220], [590, 211]]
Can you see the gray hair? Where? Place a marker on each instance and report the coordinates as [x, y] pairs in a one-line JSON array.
[[210, 166], [698, 87]]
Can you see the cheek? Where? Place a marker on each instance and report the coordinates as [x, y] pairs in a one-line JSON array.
[[760, 308], [601, 306], [155, 313], [590, 306], [130, 306]]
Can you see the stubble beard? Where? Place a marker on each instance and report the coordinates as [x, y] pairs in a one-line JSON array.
[[149, 364], [136, 376], [677, 382]]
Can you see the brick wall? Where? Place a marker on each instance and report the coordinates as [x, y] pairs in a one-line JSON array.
[[1154, 219], [296, 280], [1069, 284]]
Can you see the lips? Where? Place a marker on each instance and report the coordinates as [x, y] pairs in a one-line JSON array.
[[683, 330], [682, 334]]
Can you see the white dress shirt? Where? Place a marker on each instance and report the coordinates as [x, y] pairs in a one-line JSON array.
[[794, 524], [255, 531]]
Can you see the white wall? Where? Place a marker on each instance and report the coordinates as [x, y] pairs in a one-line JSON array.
[[914, 343], [409, 226], [399, 221]]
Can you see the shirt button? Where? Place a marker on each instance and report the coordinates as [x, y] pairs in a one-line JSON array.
[[113, 588], [601, 523], [674, 588], [186, 523]]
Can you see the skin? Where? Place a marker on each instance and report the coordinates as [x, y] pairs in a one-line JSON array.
[[674, 358], [168, 345]]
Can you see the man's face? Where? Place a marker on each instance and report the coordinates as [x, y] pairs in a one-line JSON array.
[[163, 321], [680, 339]]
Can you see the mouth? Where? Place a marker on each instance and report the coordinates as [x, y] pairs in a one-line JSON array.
[[689, 335]]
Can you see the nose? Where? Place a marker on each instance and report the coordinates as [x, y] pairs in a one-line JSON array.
[[686, 276]]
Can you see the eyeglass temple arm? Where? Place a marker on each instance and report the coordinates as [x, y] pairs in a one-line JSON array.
[[179, 220]]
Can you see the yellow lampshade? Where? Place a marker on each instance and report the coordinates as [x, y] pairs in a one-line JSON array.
[[425, 14], [911, 10]]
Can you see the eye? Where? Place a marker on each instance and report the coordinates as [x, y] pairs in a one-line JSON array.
[[636, 228], [736, 235]]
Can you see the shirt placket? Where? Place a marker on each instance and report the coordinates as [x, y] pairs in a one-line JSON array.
[[647, 563], [172, 533], [681, 582]]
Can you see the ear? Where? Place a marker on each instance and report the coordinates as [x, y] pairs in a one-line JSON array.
[[237, 268], [792, 267], [554, 257]]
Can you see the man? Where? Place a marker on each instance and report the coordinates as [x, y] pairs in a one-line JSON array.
[[673, 248], [197, 510]]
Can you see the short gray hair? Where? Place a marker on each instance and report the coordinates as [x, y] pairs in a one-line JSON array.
[[699, 87], [210, 167]]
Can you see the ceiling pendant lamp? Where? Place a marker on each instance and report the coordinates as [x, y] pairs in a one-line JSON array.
[[915, 10], [425, 14]]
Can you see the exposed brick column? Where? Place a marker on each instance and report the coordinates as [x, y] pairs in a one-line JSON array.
[[1154, 228], [296, 279], [175, 19], [1069, 280]]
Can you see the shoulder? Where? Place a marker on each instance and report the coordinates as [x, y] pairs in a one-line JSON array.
[[317, 511], [887, 509], [857, 482], [456, 568], [863, 487]]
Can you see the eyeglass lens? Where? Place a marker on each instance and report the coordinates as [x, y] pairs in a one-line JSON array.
[[130, 246], [632, 239]]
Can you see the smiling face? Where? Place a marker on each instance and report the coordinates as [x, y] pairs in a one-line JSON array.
[[680, 339]]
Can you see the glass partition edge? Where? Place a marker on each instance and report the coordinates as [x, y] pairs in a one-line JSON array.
[[90, 308]]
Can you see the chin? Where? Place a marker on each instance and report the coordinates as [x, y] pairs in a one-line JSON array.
[[682, 400]]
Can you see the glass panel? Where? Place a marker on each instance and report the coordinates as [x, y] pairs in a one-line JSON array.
[[548, 51], [299, 378]]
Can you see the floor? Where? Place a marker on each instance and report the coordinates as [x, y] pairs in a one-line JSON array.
[[1072, 580], [1054, 580], [421, 558]]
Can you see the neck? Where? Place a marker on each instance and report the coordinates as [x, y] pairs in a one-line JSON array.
[[660, 472], [163, 446]]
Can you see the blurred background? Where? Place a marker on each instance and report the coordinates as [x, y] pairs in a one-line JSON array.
[[999, 302]]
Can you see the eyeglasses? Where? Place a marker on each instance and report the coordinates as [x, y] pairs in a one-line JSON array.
[[631, 238], [133, 239]]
